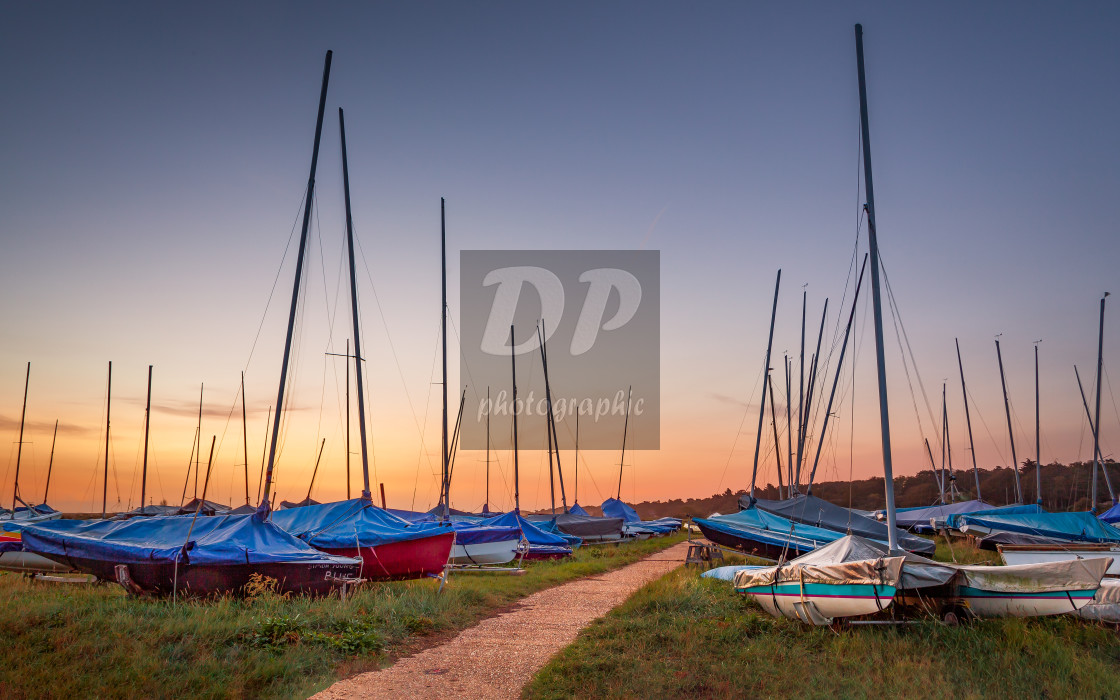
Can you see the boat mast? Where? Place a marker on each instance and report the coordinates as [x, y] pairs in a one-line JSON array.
[[766, 372], [1037, 433], [347, 419], [625, 426], [944, 444], [244, 438], [147, 428], [445, 498], [19, 448], [793, 486], [486, 505], [314, 472], [1093, 429], [50, 464], [576, 500], [1010, 432], [968, 421], [774, 422], [264, 453], [801, 388], [555, 438], [836, 379], [513, 410], [877, 304], [108, 404], [274, 442], [812, 383], [197, 440], [366, 494], [1097, 418]]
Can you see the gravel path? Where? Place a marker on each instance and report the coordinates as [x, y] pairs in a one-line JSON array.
[[497, 657]]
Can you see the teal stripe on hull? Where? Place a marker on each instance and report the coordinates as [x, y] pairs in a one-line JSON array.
[[822, 590], [969, 592]]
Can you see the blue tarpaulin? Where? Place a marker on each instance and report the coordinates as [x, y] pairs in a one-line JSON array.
[[532, 533], [615, 508], [1077, 527], [953, 521], [1112, 515], [353, 523], [214, 540], [577, 509], [919, 518]]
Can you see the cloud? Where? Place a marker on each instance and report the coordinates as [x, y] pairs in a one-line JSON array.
[[722, 398], [8, 423], [189, 409]]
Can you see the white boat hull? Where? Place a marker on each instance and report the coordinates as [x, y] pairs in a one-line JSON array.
[[484, 554], [820, 603], [1017, 556], [1002, 604], [30, 563]]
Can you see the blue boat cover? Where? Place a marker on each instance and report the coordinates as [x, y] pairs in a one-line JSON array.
[[577, 509], [811, 510], [1111, 515], [532, 533], [763, 526], [214, 540], [952, 521], [352, 523], [472, 533], [921, 517], [1077, 527], [615, 508]]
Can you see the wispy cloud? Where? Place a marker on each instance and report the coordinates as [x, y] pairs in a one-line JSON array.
[[10, 423], [723, 398]]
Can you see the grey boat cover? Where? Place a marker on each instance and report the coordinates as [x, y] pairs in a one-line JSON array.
[[991, 542], [1066, 575], [847, 561], [1106, 603], [583, 526], [811, 510]]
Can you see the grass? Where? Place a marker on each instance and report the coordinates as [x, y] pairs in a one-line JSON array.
[[687, 637], [67, 640]]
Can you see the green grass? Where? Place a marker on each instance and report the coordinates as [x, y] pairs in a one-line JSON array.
[[687, 637], [65, 640]]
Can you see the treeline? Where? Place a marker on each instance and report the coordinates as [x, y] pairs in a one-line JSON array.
[[1064, 488]]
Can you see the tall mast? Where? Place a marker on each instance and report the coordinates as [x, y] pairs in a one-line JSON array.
[[1097, 412], [198, 439], [50, 464], [147, 428], [766, 374], [1093, 429], [800, 390], [836, 380], [108, 404], [625, 426], [19, 448], [950, 477], [551, 424], [1010, 432], [347, 419], [576, 498], [944, 444], [445, 497], [877, 304], [486, 505], [968, 420], [513, 409], [264, 453], [1037, 434], [274, 442], [774, 422], [793, 485], [366, 494], [812, 384], [245, 437]]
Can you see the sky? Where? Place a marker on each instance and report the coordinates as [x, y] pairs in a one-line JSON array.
[[155, 158]]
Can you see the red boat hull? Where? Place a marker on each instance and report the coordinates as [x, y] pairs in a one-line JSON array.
[[398, 561]]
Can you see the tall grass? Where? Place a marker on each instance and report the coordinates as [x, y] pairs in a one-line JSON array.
[[65, 640], [687, 637]]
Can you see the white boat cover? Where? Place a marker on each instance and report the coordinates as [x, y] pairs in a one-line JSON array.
[[1067, 575], [846, 561]]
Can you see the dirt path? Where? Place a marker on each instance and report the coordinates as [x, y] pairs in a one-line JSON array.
[[498, 656]]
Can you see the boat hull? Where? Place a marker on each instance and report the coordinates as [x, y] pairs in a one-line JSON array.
[[1026, 554], [31, 563], [398, 561], [484, 553], [1017, 604], [546, 552], [161, 578], [755, 547], [825, 601]]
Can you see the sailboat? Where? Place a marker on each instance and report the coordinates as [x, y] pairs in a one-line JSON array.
[[390, 547], [856, 576], [205, 555]]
